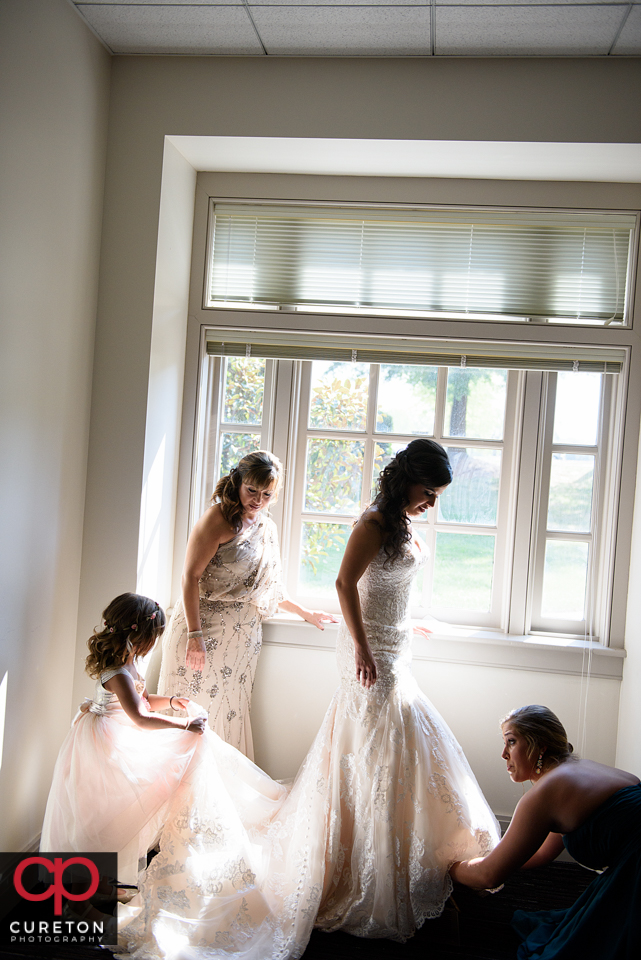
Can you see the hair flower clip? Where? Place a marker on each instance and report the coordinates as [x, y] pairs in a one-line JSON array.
[[152, 617], [134, 626]]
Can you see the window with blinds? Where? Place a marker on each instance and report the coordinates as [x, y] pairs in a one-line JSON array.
[[522, 542], [519, 265]]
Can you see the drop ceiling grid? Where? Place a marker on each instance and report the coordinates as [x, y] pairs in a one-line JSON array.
[[372, 28]]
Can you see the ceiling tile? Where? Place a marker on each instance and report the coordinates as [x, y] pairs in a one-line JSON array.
[[193, 29], [532, 3], [340, 3], [156, 3], [526, 31], [344, 31], [629, 40]]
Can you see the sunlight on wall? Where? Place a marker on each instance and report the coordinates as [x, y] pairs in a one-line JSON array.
[[149, 571], [3, 711]]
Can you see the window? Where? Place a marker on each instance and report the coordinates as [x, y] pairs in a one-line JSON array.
[[515, 436], [524, 540], [513, 265]]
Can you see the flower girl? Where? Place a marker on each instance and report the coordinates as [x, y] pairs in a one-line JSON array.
[[121, 762]]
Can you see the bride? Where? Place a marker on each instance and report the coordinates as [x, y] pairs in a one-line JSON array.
[[383, 804]]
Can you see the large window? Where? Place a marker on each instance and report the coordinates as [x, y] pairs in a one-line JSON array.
[[515, 437], [525, 539]]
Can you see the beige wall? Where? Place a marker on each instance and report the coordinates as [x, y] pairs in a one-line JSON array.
[[54, 106], [58, 80], [155, 97]]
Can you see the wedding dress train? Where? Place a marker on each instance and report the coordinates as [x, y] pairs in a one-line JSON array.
[[384, 802]]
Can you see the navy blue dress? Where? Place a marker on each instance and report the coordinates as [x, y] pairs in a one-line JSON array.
[[605, 922]]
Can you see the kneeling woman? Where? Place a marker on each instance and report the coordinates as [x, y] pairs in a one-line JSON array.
[[595, 811]]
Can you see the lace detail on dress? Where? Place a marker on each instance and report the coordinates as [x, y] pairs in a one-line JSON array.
[[384, 802]]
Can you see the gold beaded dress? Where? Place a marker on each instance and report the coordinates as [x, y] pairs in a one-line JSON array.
[[239, 588]]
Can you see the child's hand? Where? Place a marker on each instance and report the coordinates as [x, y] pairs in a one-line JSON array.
[[197, 725]]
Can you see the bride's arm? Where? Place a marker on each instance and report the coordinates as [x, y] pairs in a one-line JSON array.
[[362, 546]]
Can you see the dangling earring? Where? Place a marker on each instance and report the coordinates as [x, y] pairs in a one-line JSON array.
[[539, 765]]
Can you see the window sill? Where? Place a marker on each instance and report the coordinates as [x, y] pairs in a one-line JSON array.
[[468, 645]]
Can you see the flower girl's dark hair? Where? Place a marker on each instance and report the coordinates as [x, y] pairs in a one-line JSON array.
[[132, 622], [421, 461], [261, 469]]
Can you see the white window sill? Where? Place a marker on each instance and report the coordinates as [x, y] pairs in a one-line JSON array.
[[472, 646]]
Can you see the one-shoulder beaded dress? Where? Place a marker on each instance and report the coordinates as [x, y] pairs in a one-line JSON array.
[[240, 586]]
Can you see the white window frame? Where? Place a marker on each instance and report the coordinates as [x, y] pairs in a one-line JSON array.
[[617, 482], [520, 529]]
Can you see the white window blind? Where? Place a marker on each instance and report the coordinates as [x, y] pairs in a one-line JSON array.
[[445, 353], [557, 265]]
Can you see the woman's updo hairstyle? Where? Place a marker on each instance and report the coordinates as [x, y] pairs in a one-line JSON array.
[[421, 461], [260, 469], [132, 623], [543, 733]]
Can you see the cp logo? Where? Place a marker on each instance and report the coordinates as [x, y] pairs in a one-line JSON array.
[[57, 889]]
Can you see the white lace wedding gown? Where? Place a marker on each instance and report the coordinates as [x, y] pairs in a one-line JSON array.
[[384, 802]]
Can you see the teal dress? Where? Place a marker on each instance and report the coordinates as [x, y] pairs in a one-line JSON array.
[[605, 922]]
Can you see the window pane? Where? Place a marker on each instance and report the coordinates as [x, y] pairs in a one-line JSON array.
[[334, 476], [576, 413], [234, 446], [406, 399], [571, 480], [339, 395], [323, 545], [473, 495], [564, 580], [244, 385], [463, 571], [475, 404], [383, 453]]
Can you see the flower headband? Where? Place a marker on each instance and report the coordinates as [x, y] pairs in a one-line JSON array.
[[134, 626]]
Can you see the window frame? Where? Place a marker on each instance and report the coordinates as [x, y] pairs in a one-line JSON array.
[[284, 430], [472, 646]]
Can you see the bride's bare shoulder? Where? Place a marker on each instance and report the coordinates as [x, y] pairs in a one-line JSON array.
[[372, 516]]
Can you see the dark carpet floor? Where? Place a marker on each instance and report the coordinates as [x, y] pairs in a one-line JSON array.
[[472, 927]]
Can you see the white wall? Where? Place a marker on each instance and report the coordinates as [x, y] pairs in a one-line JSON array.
[[572, 100], [57, 75], [629, 742], [54, 77]]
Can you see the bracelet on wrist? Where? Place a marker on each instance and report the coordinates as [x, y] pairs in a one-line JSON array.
[[193, 634], [170, 703]]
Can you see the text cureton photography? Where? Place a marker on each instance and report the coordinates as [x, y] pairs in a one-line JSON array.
[[46, 899]]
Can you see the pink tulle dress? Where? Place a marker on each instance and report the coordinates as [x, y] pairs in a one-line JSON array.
[[113, 781]]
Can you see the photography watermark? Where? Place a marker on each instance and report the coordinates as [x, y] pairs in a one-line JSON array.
[[57, 898]]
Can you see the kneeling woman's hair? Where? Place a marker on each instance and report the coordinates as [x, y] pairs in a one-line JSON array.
[[260, 469], [132, 623], [542, 731], [422, 461]]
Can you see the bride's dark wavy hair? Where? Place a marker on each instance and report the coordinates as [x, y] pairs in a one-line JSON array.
[[259, 469], [132, 622], [422, 461]]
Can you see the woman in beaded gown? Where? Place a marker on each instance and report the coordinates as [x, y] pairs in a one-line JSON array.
[[231, 582], [384, 803]]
